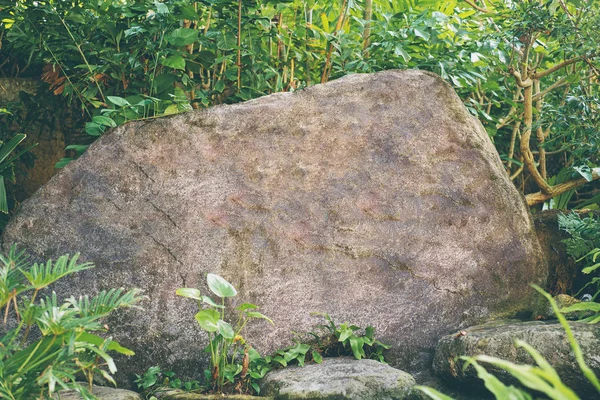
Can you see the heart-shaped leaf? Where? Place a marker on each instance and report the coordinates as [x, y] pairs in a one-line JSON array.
[[225, 329], [189, 293], [208, 319], [210, 302], [220, 286]]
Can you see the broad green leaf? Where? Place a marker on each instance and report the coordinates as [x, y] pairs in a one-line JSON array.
[[219, 86], [75, 17], [172, 109], [98, 341], [175, 62], [584, 171], [255, 314], [182, 37], [161, 8], [345, 333], [399, 51], [93, 129], [210, 302], [317, 357], [190, 293], [208, 319], [280, 360], [225, 329], [220, 286], [422, 33], [118, 101], [532, 378], [246, 306], [356, 343], [102, 120], [325, 22]]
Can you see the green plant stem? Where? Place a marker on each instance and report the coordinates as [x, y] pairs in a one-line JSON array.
[[157, 57], [87, 64]]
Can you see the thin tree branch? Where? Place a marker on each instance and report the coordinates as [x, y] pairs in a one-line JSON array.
[[539, 75], [540, 197], [557, 84], [475, 6]]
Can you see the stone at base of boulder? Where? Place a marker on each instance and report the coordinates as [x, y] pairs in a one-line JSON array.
[[102, 393], [339, 378], [178, 394], [498, 340]]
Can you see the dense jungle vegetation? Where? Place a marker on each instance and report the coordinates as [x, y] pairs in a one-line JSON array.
[[529, 70]]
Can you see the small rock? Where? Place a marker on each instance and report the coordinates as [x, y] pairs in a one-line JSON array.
[[339, 378], [102, 393], [498, 340]]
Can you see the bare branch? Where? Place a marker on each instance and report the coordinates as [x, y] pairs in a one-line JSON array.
[[557, 84], [539, 75], [475, 6], [540, 197]]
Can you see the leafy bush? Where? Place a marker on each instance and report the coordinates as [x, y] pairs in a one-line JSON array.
[[51, 343], [541, 378], [528, 70]]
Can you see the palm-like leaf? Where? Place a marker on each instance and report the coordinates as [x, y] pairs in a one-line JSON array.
[[42, 275], [56, 318], [105, 302], [11, 279]]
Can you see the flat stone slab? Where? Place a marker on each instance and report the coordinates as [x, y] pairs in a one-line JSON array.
[[179, 394], [101, 393], [498, 340], [339, 378]]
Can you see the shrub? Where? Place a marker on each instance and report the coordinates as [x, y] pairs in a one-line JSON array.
[[64, 347]]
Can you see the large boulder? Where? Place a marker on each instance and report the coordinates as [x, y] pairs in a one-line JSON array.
[[375, 198]]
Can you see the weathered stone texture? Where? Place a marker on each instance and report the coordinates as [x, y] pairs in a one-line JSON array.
[[498, 340], [339, 379], [375, 198]]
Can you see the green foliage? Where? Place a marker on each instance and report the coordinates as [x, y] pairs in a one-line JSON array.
[[541, 378], [130, 60], [584, 246], [347, 339], [155, 381], [65, 346], [229, 352], [7, 171], [329, 340], [585, 233]]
